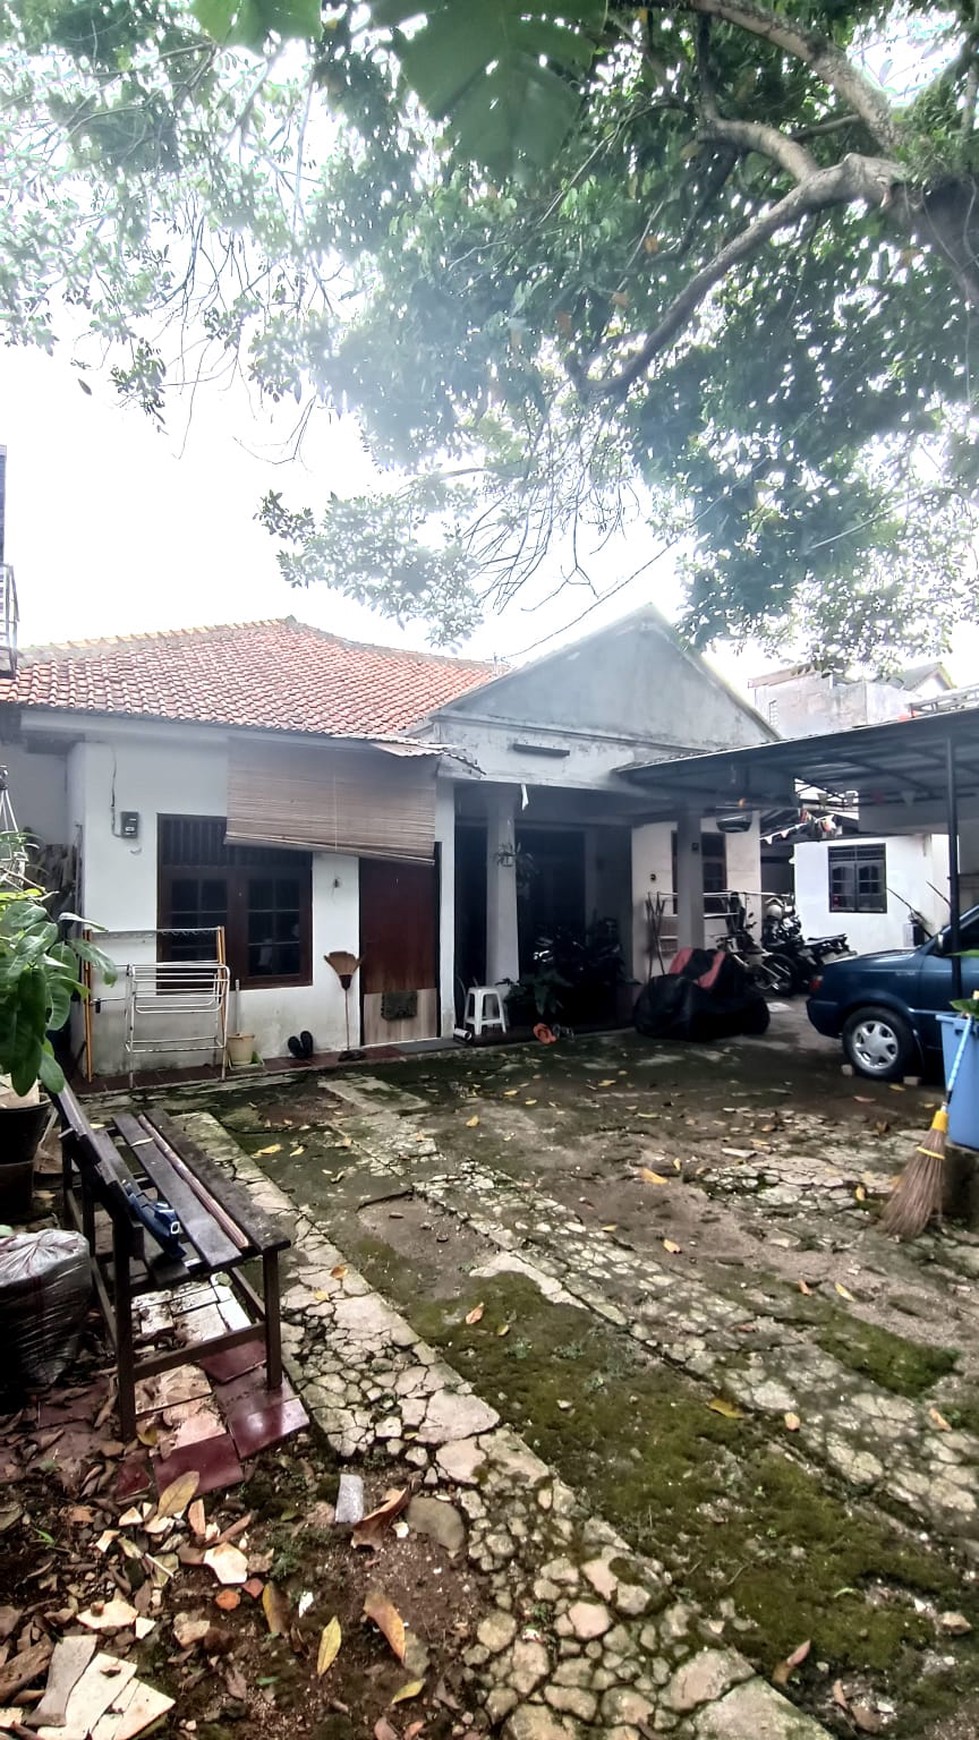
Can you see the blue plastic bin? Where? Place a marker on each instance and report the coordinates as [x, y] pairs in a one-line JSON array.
[[963, 1113]]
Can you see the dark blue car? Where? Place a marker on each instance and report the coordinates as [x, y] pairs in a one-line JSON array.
[[883, 1006]]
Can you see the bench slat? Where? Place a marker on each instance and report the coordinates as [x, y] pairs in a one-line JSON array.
[[201, 1228], [263, 1232]]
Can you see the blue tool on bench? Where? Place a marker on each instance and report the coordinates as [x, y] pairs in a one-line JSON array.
[[155, 1215]]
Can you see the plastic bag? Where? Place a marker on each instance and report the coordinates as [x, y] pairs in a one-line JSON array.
[[45, 1285]]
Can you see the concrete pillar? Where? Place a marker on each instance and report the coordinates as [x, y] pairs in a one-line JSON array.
[[502, 947], [689, 882]]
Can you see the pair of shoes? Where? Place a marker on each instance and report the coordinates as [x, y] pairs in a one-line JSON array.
[[302, 1047]]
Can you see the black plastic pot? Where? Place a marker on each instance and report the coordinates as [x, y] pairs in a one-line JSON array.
[[21, 1129]]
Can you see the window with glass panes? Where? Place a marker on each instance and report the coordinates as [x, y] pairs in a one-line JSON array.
[[262, 895], [858, 878]]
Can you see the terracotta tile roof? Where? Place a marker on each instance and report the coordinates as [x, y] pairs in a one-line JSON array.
[[279, 675]]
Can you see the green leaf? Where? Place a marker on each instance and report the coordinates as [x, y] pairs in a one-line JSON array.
[[50, 1072], [501, 73], [250, 23]]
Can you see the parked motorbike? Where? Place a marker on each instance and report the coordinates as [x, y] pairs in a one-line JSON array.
[[802, 958]]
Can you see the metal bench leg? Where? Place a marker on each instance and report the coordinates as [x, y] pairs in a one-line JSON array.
[[125, 1355], [273, 1326]]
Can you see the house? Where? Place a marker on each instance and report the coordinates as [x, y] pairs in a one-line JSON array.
[[308, 794], [862, 883]]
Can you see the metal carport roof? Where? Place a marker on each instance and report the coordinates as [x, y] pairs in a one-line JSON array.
[[905, 758], [921, 759]]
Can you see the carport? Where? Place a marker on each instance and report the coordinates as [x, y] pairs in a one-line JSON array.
[[909, 773]]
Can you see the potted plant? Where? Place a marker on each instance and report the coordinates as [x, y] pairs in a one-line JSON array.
[[40, 973]]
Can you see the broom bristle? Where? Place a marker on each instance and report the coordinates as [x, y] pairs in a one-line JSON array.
[[917, 1196]]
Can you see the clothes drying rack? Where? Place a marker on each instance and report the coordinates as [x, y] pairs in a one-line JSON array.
[[189, 998]]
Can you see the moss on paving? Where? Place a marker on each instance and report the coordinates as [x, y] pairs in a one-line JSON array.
[[709, 1497], [895, 1363]]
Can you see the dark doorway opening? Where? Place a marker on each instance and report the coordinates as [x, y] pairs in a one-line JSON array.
[[550, 886]]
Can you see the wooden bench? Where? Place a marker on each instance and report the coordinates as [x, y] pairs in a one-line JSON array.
[[220, 1230]]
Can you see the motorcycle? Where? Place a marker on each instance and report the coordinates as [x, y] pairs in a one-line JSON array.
[[801, 958]]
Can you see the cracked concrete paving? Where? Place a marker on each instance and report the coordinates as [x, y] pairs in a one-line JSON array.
[[621, 1656], [880, 1443]]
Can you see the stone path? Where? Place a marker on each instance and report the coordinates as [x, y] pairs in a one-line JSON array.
[[585, 1636], [880, 1443]]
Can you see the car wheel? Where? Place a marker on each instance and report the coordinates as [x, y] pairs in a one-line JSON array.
[[879, 1043]]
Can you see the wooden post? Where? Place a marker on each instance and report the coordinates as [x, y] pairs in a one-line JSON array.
[[273, 1327]]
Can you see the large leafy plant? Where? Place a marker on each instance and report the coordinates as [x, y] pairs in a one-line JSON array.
[[40, 972]]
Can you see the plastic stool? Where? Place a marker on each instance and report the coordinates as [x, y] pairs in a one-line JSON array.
[[485, 1012]]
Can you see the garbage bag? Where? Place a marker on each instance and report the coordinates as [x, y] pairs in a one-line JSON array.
[[45, 1285]]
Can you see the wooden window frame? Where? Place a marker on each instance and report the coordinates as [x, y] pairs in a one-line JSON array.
[[852, 856], [238, 874]]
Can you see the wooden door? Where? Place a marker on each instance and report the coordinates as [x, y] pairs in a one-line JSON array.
[[398, 943]]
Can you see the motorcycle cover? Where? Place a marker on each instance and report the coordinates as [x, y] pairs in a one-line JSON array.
[[710, 997]]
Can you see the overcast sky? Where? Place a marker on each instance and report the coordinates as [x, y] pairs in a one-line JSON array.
[[114, 526]]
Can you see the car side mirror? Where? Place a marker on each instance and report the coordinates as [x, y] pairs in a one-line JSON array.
[[941, 943]]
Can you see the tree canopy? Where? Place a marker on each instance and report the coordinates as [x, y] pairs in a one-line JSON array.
[[709, 265]]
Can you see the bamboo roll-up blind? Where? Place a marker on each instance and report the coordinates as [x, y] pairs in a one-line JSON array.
[[358, 801]]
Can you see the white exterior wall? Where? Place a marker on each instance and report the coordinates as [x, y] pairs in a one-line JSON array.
[[120, 890], [652, 874], [913, 861]]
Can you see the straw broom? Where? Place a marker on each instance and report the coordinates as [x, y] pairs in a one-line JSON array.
[[917, 1195]]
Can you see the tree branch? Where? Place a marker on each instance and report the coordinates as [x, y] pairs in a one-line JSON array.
[[797, 162], [744, 136], [855, 178], [828, 62]]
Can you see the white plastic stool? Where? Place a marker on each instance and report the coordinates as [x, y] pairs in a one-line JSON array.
[[485, 1012]]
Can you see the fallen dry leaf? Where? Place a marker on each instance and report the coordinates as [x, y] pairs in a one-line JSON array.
[[792, 1422], [785, 1669], [273, 1148], [475, 1314], [860, 1193], [175, 1498], [384, 1731], [413, 1729], [387, 1619], [338, 1271], [294, 1153], [370, 1530], [865, 1719], [253, 1587], [609, 1082], [276, 1610], [227, 1599], [612, 1226], [471, 1123], [330, 1640], [671, 1246], [843, 1292], [504, 1329], [227, 1562], [648, 1176], [721, 1405], [938, 1420], [196, 1518], [148, 1435], [411, 1690], [839, 1696], [804, 1288]]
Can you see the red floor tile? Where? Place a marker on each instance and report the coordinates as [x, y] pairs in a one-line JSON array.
[[132, 1477], [234, 1362], [256, 1428], [215, 1460]]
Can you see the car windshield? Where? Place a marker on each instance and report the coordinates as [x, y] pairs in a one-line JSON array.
[[968, 934]]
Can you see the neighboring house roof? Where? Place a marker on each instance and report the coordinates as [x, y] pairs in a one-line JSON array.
[[915, 675], [276, 675]]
